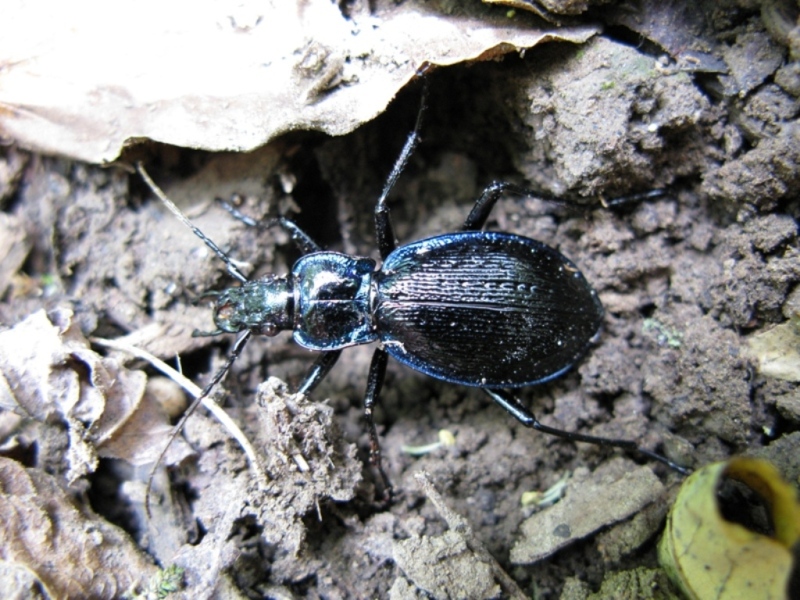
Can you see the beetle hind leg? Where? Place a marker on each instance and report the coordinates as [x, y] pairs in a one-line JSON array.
[[507, 400]]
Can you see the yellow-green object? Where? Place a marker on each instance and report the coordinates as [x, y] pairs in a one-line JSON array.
[[710, 556], [446, 439], [547, 498]]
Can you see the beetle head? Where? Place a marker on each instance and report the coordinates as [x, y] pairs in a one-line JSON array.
[[264, 306]]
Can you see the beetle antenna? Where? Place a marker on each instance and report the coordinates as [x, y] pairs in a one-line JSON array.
[[238, 346], [204, 295], [199, 333], [232, 268]]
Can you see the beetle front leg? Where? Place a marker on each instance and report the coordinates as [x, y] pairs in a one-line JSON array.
[[507, 400], [321, 368], [377, 371]]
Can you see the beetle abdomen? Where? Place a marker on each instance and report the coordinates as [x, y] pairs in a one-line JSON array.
[[485, 308]]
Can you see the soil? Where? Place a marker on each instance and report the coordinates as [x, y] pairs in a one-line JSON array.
[[686, 279]]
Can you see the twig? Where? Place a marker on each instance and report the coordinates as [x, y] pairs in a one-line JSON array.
[[194, 391], [461, 526]]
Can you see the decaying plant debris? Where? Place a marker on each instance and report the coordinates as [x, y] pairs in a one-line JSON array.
[[702, 101]]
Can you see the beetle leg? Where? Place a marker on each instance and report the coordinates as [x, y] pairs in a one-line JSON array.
[[485, 203], [377, 370], [483, 206], [507, 400], [633, 198], [384, 229], [301, 239], [383, 221], [321, 368]]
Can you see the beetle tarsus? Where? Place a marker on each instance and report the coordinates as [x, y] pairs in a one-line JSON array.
[[377, 372]]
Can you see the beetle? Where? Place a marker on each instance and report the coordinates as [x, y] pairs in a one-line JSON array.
[[492, 310]]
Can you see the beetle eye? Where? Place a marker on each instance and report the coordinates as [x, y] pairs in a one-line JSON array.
[[269, 329], [225, 311]]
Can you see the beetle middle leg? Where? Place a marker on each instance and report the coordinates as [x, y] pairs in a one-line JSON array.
[[485, 203], [383, 222], [377, 371], [507, 400], [491, 194]]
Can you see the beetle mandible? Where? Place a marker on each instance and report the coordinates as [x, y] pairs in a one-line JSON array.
[[486, 309]]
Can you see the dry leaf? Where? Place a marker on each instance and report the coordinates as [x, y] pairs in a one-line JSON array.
[[710, 556], [49, 373], [84, 82], [776, 350], [70, 552]]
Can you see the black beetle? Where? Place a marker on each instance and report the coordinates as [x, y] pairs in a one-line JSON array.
[[492, 310]]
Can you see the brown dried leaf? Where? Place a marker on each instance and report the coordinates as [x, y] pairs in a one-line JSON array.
[[71, 552], [34, 360], [140, 438], [776, 350], [14, 248], [49, 373], [226, 78]]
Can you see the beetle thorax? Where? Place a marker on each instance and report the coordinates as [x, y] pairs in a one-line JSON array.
[[333, 301]]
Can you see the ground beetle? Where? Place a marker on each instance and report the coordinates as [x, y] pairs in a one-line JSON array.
[[487, 309]]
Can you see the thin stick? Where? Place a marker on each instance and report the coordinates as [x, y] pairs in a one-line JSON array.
[[462, 528]]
